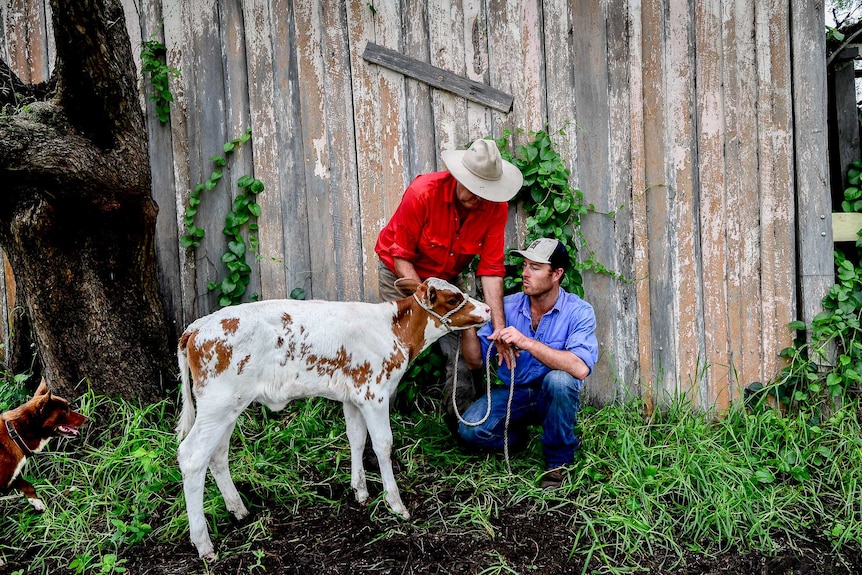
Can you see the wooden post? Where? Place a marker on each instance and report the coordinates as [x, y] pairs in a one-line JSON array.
[[844, 146]]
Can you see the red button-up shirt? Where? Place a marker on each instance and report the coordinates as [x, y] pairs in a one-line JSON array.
[[427, 231]]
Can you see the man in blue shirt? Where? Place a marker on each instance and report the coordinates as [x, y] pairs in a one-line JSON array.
[[553, 332]]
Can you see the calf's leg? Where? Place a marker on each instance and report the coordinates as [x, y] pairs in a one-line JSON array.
[[356, 436], [221, 472], [194, 455], [377, 421]]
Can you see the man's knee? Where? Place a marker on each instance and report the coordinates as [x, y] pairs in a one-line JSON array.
[[558, 381]]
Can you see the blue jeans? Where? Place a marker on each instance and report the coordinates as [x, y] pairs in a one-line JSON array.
[[552, 403]]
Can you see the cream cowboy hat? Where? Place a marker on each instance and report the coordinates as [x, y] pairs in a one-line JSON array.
[[483, 171]]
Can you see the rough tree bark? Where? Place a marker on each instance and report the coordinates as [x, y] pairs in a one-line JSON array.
[[77, 218]]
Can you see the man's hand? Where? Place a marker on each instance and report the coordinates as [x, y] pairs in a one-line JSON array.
[[506, 340]]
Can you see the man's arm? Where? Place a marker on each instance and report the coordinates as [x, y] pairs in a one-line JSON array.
[[492, 288], [471, 349], [404, 269], [560, 359]]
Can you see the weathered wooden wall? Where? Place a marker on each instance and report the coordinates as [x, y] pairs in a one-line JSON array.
[[701, 124]]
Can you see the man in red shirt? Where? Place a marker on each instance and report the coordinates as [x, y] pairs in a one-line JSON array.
[[445, 219]]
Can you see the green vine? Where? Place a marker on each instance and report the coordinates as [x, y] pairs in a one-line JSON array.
[[554, 208], [825, 361], [244, 212], [153, 56]]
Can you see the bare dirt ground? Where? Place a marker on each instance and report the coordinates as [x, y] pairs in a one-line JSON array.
[[347, 541]]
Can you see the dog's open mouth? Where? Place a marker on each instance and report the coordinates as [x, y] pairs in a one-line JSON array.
[[67, 431]]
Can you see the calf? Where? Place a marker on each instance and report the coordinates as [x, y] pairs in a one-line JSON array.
[[275, 351]]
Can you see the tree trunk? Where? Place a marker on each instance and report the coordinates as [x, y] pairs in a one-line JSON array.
[[77, 218]]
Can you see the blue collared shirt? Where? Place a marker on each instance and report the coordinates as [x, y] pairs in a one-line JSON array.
[[569, 325]]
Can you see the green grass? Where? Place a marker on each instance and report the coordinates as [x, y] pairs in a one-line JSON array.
[[679, 481]]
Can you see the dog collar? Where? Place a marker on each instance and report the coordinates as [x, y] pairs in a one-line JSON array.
[[13, 433]]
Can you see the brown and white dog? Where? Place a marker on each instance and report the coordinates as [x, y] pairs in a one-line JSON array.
[[26, 429]]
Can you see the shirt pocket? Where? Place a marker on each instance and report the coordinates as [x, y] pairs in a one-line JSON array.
[[433, 247], [554, 342], [469, 247]]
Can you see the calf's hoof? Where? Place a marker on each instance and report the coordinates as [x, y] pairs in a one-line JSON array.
[[206, 551], [239, 514], [361, 496], [37, 504]]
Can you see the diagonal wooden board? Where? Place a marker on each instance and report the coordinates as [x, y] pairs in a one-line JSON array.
[[439, 78]]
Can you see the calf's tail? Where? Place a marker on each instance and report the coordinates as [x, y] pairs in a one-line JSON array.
[[187, 416]]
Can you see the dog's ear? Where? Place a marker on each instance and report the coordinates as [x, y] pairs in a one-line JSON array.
[[42, 389]]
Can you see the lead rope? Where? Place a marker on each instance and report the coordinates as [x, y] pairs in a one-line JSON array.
[[445, 321], [488, 394]]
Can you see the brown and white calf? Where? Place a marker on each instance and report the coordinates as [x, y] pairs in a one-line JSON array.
[[275, 351]]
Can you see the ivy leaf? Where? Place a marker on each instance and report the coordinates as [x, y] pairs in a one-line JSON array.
[[237, 248], [562, 205], [240, 203]]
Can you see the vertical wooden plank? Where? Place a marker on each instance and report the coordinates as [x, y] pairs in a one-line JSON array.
[[421, 154], [638, 46], [330, 168], [342, 59], [591, 92], [685, 267], [203, 80], [714, 388], [657, 195], [288, 153], [179, 58], [26, 40], [237, 118], [447, 52], [391, 141], [162, 173], [265, 147], [476, 65], [560, 74], [813, 199], [776, 162], [623, 344], [844, 142], [373, 197], [516, 64], [742, 194], [317, 155]]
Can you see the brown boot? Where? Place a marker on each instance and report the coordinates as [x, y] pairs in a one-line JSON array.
[[552, 479]]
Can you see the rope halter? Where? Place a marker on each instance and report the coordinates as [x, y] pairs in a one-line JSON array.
[[444, 319]]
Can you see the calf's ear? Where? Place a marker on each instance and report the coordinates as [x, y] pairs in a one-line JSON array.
[[407, 286]]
